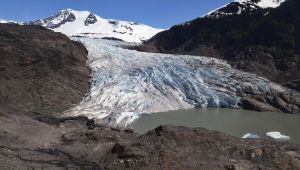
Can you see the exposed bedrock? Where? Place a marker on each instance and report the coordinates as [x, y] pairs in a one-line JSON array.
[[40, 69], [287, 101]]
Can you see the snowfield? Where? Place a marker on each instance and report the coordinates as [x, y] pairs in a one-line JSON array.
[[242, 6], [85, 24], [127, 83], [2, 21], [264, 3]]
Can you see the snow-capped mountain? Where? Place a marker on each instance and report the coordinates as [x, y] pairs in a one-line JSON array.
[[2, 21], [243, 6], [262, 3], [85, 24]]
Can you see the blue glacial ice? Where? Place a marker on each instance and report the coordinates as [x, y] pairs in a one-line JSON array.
[[126, 83]]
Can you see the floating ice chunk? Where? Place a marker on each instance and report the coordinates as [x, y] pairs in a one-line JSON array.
[[250, 136], [277, 135]]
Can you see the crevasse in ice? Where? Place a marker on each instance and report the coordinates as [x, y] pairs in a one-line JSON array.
[[126, 83]]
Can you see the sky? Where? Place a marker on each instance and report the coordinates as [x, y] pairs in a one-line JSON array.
[[156, 13]]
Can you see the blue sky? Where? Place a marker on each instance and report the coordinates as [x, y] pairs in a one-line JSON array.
[[157, 13]]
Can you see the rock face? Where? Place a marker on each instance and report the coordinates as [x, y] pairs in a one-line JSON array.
[[286, 102], [63, 17], [260, 40], [91, 19], [78, 143], [40, 69]]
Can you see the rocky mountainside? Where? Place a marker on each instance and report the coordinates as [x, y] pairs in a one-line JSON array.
[[247, 7], [86, 24], [259, 36], [40, 69]]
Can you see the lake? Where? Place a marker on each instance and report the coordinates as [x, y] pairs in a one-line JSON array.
[[230, 121]]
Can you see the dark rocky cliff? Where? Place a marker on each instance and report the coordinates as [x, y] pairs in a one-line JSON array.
[[40, 69]]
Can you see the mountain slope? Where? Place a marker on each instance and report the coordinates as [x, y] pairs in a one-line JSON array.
[[86, 24], [40, 69], [238, 7], [260, 38]]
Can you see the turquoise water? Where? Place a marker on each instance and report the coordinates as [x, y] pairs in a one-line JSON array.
[[233, 122]]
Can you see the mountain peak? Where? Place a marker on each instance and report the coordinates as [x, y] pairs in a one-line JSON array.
[[78, 12], [68, 9], [263, 3], [86, 24], [2, 21], [238, 7]]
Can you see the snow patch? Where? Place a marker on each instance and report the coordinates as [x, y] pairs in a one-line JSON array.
[[242, 5], [2, 21], [264, 3]]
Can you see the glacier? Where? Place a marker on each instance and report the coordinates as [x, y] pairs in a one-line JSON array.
[[127, 83]]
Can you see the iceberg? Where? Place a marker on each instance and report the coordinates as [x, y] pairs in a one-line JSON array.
[[250, 136], [277, 135]]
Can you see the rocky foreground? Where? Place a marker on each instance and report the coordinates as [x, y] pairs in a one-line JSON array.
[[77, 143]]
